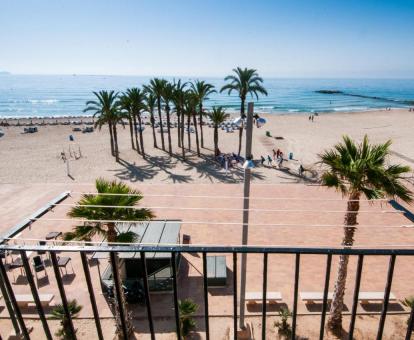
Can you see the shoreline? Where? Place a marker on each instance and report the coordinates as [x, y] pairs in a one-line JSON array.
[[71, 119]]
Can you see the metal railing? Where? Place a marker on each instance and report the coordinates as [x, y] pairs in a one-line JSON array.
[[328, 253]]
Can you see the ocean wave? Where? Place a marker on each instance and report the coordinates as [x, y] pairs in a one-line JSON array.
[[43, 101]]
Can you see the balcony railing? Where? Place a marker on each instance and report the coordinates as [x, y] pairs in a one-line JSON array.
[[326, 253]]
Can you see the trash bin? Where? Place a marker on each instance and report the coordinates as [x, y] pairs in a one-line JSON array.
[[71, 138], [290, 155]]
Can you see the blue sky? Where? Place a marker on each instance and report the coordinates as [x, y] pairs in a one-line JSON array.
[[290, 38]]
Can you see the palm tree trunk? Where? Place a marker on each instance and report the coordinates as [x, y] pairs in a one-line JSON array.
[[135, 133], [116, 143], [182, 135], [161, 128], [201, 125], [141, 138], [337, 306], [167, 110], [196, 133], [215, 140], [119, 301], [242, 125], [131, 131], [179, 128], [111, 135], [153, 129], [188, 132]]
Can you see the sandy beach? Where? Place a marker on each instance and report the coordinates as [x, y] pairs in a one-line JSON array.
[[36, 157]]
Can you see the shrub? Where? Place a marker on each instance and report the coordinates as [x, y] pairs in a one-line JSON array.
[[187, 309], [283, 327], [58, 313]]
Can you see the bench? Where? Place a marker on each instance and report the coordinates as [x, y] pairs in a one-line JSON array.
[[271, 297], [366, 297], [312, 297], [26, 300]]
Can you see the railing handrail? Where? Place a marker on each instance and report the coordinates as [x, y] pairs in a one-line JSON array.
[[131, 248]]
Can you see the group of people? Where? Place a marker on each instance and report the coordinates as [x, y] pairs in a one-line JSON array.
[[229, 160], [277, 158]]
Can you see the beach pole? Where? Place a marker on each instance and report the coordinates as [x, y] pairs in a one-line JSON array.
[[246, 195]]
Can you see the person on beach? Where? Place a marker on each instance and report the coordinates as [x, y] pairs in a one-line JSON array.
[[278, 152], [274, 154], [312, 118], [262, 159], [269, 160], [301, 170]]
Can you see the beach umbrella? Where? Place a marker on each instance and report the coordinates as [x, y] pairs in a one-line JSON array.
[[238, 121]]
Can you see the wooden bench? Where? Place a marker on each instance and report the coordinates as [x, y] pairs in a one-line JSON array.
[[366, 297], [271, 297], [312, 297], [26, 300]]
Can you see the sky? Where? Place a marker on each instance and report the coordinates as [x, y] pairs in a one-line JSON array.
[[289, 38]]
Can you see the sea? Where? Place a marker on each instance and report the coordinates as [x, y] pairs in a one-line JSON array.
[[65, 95]]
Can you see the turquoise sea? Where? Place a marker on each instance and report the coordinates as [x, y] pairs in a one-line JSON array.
[[55, 95]]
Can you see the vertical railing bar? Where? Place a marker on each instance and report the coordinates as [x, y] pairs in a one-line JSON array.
[[325, 295], [206, 315], [410, 325], [14, 305], [147, 295], [8, 303], [295, 296], [356, 295], [91, 295], [175, 291], [36, 299], [235, 296], [264, 296], [386, 297], [62, 293], [118, 292]]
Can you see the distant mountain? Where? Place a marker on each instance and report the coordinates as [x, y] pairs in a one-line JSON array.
[[4, 73]]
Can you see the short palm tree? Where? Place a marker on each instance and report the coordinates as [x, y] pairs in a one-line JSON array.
[[156, 87], [150, 103], [58, 313], [355, 170], [137, 105], [107, 111], [245, 81], [90, 207], [187, 309], [217, 116], [202, 90]]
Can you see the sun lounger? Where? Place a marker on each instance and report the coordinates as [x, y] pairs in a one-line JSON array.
[[271, 297], [312, 297], [26, 300], [366, 297]]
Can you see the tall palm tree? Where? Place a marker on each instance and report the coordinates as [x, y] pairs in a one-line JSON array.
[[167, 96], [356, 170], [179, 97], [137, 100], [217, 116], [150, 103], [190, 110], [106, 110], [156, 87], [126, 108], [245, 81], [202, 90], [109, 194]]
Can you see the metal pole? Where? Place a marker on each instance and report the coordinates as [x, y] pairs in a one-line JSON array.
[[246, 195]]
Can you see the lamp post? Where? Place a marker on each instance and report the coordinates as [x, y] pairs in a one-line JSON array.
[[248, 165]]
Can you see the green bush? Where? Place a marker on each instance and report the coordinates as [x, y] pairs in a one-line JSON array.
[[283, 327], [187, 309], [58, 313]]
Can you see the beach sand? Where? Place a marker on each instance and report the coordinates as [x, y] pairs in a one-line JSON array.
[[35, 158]]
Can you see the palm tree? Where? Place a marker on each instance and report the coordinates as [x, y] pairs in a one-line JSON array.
[[190, 110], [150, 102], [167, 96], [246, 81], [107, 110], [156, 87], [217, 116], [179, 96], [202, 91], [109, 194], [137, 102], [355, 170], [126, 107], [58, 313]]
